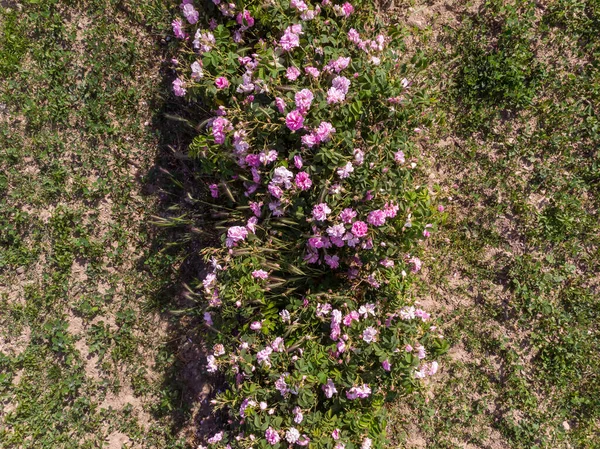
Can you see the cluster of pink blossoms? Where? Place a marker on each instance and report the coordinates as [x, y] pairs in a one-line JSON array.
[[291, 37], [178, 87], [220, 126], [360, 392], [319, 135], [227, 9], [338, 90], [339, 235], [177, 25], [203, 41], [189, 11]]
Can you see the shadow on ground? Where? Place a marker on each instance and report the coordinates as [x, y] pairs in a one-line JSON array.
[[174, 182]]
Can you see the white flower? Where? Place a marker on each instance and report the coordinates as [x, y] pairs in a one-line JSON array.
[[292, 435], [366, 310], [369, 334], [218, 349], [216, 438], [197, 72], [282, 175], [329, 388], [285, 315], [211, 364], [345, 171]]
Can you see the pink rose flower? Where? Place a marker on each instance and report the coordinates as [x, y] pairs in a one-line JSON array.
[[303, 180], [298, 162], [196, 70], [347, 9], [345, 171], [432, 368], [190, 13], [310, 140], [260, 274], [353, 36], [298, 4], [272, 436], [275, 190], [256, 208], [369, 334], [278, 345], [222, 82], [303, 100], [376, 217], [292, 73], [329, 389], [341, 83], [391, 210], [324, 131], [312, 71], [245, 19], [220, 126], [359, 228], [347, 215], [177, 25], [416, 264], [236, 234], [215, 438], [320, 211], [178, 88], [280, 103], [251, 224], [399, 157], [291, 38], [294, 120], [335, 96]]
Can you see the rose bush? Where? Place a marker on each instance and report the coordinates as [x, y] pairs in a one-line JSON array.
[[308, 146]]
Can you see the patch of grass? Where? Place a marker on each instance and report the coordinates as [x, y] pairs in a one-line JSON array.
[[514, 272], [80, 88], [496, 70]]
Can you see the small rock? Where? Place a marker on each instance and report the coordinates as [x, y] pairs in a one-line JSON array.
[[566, 425], [20, 270]]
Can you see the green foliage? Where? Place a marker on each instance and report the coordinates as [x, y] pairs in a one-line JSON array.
[[496, 68], [289, 268]]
